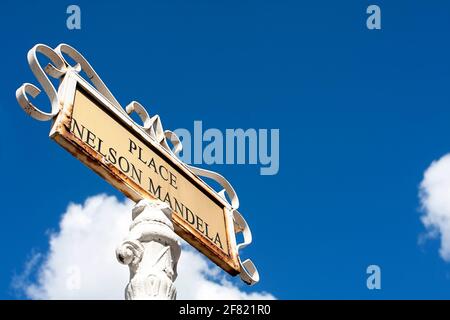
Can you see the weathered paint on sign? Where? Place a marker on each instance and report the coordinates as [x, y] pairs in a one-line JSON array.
[[104, 140]]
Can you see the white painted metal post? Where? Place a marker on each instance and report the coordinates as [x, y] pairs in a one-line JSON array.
[[151, 250]]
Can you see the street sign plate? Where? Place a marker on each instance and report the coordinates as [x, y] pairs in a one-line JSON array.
[[112, 145], [91, 124]]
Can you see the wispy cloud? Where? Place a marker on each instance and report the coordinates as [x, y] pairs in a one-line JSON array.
[[81, 263]]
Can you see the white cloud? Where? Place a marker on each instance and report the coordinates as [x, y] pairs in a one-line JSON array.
[[435, 201], [81, 262]]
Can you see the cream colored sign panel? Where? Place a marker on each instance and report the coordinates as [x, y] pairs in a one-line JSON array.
[[98, 137], [132, 157]]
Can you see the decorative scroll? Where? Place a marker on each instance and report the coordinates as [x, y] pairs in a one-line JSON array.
[[59, 67], [151, 250]]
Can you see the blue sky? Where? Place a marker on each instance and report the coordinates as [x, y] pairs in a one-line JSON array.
[[362, 114]]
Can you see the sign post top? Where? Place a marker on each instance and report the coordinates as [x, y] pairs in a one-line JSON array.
[[137, 159]]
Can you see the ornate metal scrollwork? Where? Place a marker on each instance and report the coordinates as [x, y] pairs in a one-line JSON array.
[[152, 125]]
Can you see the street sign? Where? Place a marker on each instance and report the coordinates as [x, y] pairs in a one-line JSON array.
[[136, 159], [108, 143]]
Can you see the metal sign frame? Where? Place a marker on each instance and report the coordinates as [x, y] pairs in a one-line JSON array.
[[60, 132], [150, 132]]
